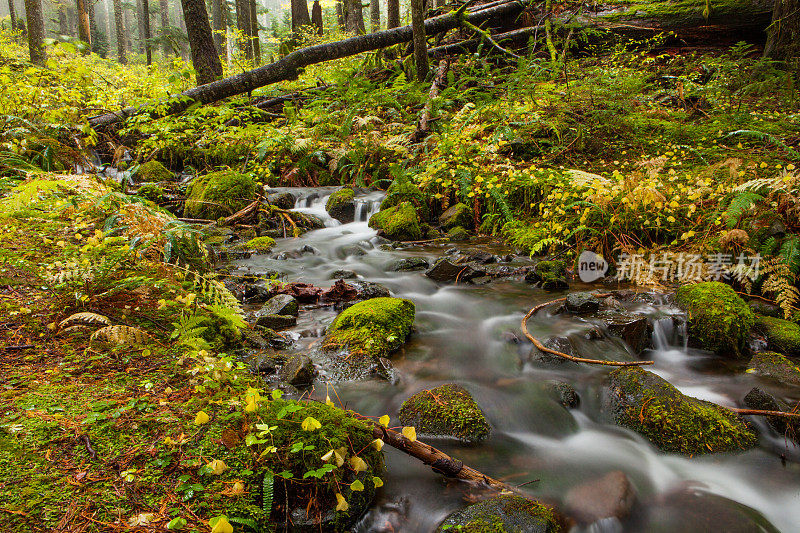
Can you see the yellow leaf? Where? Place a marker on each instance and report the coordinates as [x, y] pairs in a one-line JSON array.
[[328, 456], [222, 526], [217, 466], [410, 433], [358, 464], [356, 486], [377, 444], [310, 424], [378, 482], [328, 401], [201, 418], [238, 488], [251, 405], [384, 420], [341, 503]]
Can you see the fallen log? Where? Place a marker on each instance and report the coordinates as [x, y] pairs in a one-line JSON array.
[[289, 66]]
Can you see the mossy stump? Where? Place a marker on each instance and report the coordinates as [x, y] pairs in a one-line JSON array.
[[651, 406], [504, 514], [399, 223], [719, 320], [219, 194], [782, 336], [446, 411]]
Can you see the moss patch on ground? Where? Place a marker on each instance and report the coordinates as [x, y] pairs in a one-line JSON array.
[[651, 406], [719, 320], [446, 411], [219, 194]]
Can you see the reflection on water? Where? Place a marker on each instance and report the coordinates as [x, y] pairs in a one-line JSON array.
[[470, 335]]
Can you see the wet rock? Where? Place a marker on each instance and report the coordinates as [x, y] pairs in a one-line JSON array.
[[340, 292], [403, 191], [455, 216], [549, 275], [219, 194], [610, 496], [651, 406], [276, 322], [268, 362], [446, 271], [282, 200], [719, 319], [341, 206], [482, 280], [399, 223], [513, 514], [782, 336], [760, 399], [775, 366], [369, 289], [458, 234], [302, 292], [281, 304], [372, 328], [564, 393], [560, 344], [298, 371], [351, 250], [761, 307], [343, 274], [484, 258], [580, 303], [631, 328], [446, 411], [409, 264]]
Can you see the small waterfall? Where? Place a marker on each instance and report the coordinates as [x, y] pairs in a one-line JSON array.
[[365, 209], [670, 334]]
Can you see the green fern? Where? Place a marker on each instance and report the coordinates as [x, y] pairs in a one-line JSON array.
[[790, 252], [502, 204], [267, 486], [740, 204]]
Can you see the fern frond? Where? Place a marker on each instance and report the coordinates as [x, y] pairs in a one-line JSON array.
[[790, 252], [740, 204], [86, 319], [267, 486], [120, 335]]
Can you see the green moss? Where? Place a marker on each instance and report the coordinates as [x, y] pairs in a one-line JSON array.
[[218, 194], [342, 196], [687, 13], [504, 514], [401, 191], [458, 234], [782, 335], [456, 215], [260, 244], [373, 327], [651, 406], [399, 223], [152, 192], [719, 320], [446, 411], [776, 366], [153, 172]]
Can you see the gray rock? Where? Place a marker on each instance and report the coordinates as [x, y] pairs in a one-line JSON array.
[[581, 303], [281, 304], [631, 328], [409, 264], [759, 399], [283, 200], [298, 371], [369, 289], [446, 271], [343, 274], [564, 393], [276, 322], [609, 496]]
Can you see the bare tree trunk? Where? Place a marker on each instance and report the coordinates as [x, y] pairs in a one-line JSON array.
[[392, 14], [72, 21], [127, 23], [340, 13], [420, 39], [288, 67], [163, 8], [140, 24], [783, 35], [63, 29], [244, 26], [119, 28], [84, 28], [12, 12], [146, 41], [204, 53], [33, 11], [219, 22], [256, 42], [354, 17], [316, 16], [375, 15], [299, 14]]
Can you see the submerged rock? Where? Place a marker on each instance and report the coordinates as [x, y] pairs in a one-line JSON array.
[[372, 328], [366, 290], [629, 327], [775, 366], [651, 406], [510, 514], [219, 194], [399, 223], [759, 399], [409, 264], [610, 496], [719, 320], [343, 274], [549, 275], [446, 411], [458, 215], [447, 271], [276, 322], [782, 336], [298, 371], [564, 393], [341, 206]]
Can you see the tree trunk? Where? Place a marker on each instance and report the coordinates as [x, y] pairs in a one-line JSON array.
[[783, 35], [340, 14], [375, 15], [244, 27], [256, 42], [146, 19], [316, 16], [12, 12], [84, 28], [392, 14], [204, 54], [288, 67], [220, 25], [163, 8], [354, 17], [420, 39], [119, 28], [140, 24], [299, 14], [72, 21], [33, 13], [63, 28]]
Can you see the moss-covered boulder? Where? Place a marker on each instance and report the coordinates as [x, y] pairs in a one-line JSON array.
[[504, 514], [719, 320], [404, 191], [218, 194], [372, 328], [341, 206], [259, 244], [153, 172], [399, 223], [775, 366], [549, 275], [456, 215], [651, 406], [151, 192], [446, 411], [764, 401], [782, 336], [458, 234]]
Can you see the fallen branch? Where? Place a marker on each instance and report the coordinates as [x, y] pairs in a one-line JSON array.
[[439, 81], [544, 348], [289, 67], [242, 214], [472, 44], [759, 412]]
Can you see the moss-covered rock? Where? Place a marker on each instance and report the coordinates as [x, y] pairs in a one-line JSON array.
[[446, 411], [340, 205], [719, 320], [776, 366], [153, 172], [549, 275], [782, 336], [399, 223], [372, 328], [651, 406], [456, 215], [504, 514], [259, 244], [458, 234], [151, 192], [218, 194], [401, 191]]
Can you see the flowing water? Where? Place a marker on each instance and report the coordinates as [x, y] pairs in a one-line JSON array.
[[469, 334]]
